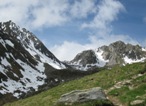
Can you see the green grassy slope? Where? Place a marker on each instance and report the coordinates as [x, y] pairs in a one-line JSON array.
[[105, 79]]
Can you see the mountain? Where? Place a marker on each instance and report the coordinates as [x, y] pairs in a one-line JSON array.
[[27, 67], [23, 58], [117, 53]]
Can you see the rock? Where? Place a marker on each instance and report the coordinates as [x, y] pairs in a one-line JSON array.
[[137, 102], [79, 96], [84, 58]]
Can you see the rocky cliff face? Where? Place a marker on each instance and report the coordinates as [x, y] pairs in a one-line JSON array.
[[84, 60], [117, 53]]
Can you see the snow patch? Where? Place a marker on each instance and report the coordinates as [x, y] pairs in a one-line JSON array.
[[144, 49], [101, 61], [31, 78], [33, 51], [130, 61], [5, 62]]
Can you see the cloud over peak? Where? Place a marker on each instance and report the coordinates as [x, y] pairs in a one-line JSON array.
[[82, 8], [94, 15], [107, 12], [46, 13]]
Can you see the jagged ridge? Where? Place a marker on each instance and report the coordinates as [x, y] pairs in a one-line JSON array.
[[117, 53]]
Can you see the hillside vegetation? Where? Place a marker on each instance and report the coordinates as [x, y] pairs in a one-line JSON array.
[[121, 84]]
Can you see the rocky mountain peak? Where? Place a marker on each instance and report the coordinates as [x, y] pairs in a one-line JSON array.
[[86, 57], [117, 53], [118, 46], [10, 28], [117, 43], [21, 34], [27, 39]]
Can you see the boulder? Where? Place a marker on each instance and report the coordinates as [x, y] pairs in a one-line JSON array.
[[80, 96]]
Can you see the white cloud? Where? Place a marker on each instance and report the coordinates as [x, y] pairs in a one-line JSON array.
[[82, 8], [50, 13], [107, 13], [7, 12], [67, 50], [34, 14]]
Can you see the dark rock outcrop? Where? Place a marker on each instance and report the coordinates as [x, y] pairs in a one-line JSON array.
[[86, 57]]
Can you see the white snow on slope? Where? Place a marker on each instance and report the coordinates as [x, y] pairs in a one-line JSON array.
[[130, 61], [5, 62], [33, 51], [101, 61], [23, 35], [144, 49], [30, 78], [9, 43]]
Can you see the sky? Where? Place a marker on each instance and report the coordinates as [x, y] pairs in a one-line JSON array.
[[67, 27]]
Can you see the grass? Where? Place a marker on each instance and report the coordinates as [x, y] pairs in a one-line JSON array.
[[104, 79], [130, 95], [118, 92], [126, 95]]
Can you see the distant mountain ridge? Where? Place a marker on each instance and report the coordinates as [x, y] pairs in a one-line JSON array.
[[117, 53]]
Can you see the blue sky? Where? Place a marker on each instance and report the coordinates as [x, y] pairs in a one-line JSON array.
[[68, 27], [132, 22]]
